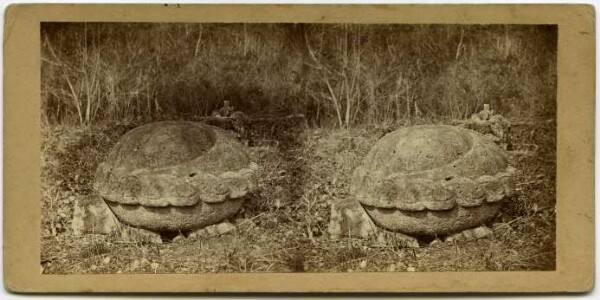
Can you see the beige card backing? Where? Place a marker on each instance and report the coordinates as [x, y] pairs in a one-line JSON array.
[[575, 159]]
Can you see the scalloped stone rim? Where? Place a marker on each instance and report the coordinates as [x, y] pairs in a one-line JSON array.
[[480, 175], [220, 172]]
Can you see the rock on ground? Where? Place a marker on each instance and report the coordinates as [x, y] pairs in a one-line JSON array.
[[349, 219], [396, 239], [176, 218], [213, 230], [471, 234], [92, 215], [433, 180], [175, 176], [138, 235]]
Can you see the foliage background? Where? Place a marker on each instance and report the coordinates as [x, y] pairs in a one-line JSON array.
[[336, 74]]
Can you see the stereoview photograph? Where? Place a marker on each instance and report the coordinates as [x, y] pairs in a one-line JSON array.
[[297, 147]]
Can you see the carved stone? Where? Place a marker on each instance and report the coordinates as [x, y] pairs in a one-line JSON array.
[[433, 180], [175, 176]]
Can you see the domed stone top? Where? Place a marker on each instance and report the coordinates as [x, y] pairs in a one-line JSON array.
[[434, 167], [161, 145], [175, 164]]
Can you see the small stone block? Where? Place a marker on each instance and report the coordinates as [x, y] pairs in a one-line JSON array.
[[349, 219], [482, 231], [396, 239], [199, 233], [224, 227], [435, 242], [471, 234], [91, 215], [468, 235], [178, 238], [138, 235], [213, 230]]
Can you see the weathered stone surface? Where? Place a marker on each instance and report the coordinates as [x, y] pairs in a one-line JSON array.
[[471, 234], [433, 180], [213, 230], [91, 215], [349, 219], [175, 218], [138, 235], [175, 176], [396, 239], [432, 222]]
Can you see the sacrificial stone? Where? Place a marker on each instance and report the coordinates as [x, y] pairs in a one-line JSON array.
[[175, 176], [430, 180]]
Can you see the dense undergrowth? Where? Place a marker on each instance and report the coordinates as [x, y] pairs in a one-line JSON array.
[[335, 74]]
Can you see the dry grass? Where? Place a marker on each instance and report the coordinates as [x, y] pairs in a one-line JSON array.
[[283, 227], [336, 74]]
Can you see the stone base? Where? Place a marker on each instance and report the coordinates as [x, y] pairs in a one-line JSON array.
[[433, 223], [213, 230], [92, 216], [396, 239], [471, 234], [349, 219], [175, 219], [138, 235]]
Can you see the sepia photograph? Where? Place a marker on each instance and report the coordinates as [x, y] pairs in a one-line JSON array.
[[297, 147]]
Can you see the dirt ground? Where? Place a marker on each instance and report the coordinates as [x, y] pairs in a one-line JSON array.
[[283, 226]]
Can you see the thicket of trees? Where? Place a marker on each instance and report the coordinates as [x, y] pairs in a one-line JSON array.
[[335, 74]]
